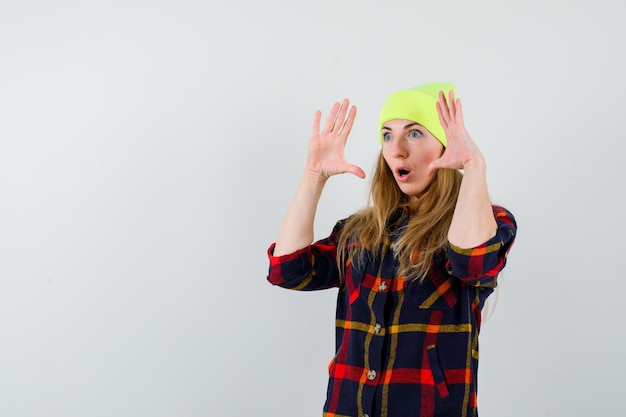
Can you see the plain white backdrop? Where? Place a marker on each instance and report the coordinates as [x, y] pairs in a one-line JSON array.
[[149, 149]]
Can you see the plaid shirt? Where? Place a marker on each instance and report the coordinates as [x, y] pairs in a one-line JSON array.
[[403, 348]]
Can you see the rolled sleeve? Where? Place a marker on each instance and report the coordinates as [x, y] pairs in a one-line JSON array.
[[307, 269], [480, 266]]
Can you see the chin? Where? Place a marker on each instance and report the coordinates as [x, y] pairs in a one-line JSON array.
[[412, 191], [414, 188]]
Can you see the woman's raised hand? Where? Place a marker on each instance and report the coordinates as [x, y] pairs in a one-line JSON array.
[[326, 147], [461, 149]]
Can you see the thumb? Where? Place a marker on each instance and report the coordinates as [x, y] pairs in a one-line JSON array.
[[434, 166], [353, 169]]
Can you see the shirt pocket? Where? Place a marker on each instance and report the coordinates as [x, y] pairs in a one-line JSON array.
[[354, 279], [441, 385], [437, 291]]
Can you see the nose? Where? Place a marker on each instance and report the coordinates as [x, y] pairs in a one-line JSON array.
[[398, 148]]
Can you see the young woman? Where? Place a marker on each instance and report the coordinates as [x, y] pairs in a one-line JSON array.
[[414, 268]]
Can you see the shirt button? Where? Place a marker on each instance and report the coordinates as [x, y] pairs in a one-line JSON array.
[[377, 328], [371, 374], [382, 287]]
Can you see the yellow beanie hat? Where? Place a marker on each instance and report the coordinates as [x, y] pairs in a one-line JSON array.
[[417, 104]]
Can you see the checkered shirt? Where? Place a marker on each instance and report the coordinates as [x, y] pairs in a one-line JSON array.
[[403, 348]]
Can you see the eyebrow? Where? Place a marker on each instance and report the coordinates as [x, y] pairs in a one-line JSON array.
[[405, 127]]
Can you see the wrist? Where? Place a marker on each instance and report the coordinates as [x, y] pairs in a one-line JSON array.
[[475, 163], [314, 178]]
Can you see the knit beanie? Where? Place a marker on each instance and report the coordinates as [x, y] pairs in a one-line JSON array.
[[417, 104]]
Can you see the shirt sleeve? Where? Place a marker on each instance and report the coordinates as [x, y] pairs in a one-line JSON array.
[[481, 265], [307, 269]]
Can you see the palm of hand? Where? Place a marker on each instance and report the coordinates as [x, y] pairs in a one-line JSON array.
[[326, 148], [460, 148]]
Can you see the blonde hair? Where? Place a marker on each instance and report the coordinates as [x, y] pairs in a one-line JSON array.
[[425, 234]]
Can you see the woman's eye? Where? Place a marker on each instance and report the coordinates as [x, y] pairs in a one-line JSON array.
[[386, 136], [415, 133]]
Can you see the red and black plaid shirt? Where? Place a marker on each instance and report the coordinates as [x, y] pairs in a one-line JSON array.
[[403, 348]]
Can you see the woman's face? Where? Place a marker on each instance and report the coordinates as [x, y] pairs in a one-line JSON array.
[[408, 149]]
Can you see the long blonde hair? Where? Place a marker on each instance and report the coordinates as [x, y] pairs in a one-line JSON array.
[[425, 234]]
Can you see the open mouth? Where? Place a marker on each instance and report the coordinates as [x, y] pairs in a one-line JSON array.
[[403, 172]]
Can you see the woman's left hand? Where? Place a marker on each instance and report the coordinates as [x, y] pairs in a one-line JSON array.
[[461, 148]]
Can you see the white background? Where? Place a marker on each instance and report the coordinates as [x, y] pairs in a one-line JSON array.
[[149, 149]]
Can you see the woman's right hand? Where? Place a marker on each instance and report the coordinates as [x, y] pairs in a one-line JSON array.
[[326, 147], [324, 158]]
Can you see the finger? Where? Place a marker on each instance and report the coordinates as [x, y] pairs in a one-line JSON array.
[[442, 97], [459, 111], [347, 126], [330, 120], [353, 169], [442, 118], [443, 108], [341, 116], [451, 105], [434, 166], [316, 123]]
